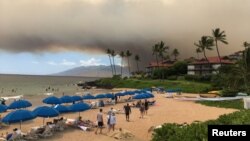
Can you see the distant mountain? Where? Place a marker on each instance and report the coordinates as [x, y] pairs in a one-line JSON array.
[[92, 71]]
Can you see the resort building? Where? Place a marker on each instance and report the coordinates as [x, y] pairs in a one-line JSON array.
[[202, 67], [161, 64]]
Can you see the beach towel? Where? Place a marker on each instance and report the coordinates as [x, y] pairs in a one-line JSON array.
[[83, 128], [13, 97]]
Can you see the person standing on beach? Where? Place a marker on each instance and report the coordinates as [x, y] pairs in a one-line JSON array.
[[146, 106], [99, 121], [112, 121], [127, 110], [110, 112], [142, 109]]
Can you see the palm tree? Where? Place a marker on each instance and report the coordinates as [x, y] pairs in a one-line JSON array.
[[219, 36], [245, 54], [122, 55], [162, 50], [204, 44], [128, 54], [198, 50], [137, 59], [155, 50], [175, 53], [113, 56], [108, 51]]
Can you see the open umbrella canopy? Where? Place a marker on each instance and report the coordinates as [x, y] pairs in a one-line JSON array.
[[109, 95], [18, 116], [45, 111], [52, 100], [85, 97], [66, 99], [100, 96], [3, 108], [76, 98], [19, 104], [120, 94], [62, 108], [79, 107], [140, 96], [149, 95], [130, 93]]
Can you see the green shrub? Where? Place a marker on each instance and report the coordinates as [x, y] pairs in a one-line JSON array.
[[173, 77], [229, 93], [198, 131], [198, 78]]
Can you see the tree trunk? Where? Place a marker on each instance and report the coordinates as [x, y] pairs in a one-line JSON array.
[[121, 66], [162, 69], [137, 66], [204, 52], [114, 64], [111, 65], [198, 55], [128, 66], [216, 44]]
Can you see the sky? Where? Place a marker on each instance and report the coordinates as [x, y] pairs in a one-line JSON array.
[[48, 63], [49, 36]]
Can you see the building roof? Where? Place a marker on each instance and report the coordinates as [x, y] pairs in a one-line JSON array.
[[213, 60], [161, 64]]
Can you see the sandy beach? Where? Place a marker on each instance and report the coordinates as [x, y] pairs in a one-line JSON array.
[[164, 111]]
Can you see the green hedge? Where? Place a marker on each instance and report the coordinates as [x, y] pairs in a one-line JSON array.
[[198, 131], [199, 78]]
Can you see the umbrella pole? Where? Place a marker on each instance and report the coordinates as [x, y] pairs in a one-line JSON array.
[[20, 125], [79, 114], [43, 120]]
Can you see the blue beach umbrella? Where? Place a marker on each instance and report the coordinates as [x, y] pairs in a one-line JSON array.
[[149, 95], [3, 108], [76, 98], [130, 93], [66, 99], [109, 95], [79, 107], [139, 96], [88, 97], [52, 100], [62, 108], [45, 112], [18, 116], [19, 104], [120, 94], [100, 96]]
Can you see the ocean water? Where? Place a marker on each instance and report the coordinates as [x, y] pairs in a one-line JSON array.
[[11, 85]]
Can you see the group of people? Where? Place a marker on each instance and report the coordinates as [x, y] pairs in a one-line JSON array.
[[111, 120], [143, 107]]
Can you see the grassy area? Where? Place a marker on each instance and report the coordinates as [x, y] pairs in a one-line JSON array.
[[186, 86], [235, 104], [198, 131]]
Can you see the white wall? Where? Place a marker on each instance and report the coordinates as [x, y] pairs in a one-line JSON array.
[[191, 73], [216, 66], [190, 67]]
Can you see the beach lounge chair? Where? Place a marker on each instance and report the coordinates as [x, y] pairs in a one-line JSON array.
[[46, 133], [112, 102], [31, 135], [84, 128], [15, 137], [60, 125]]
